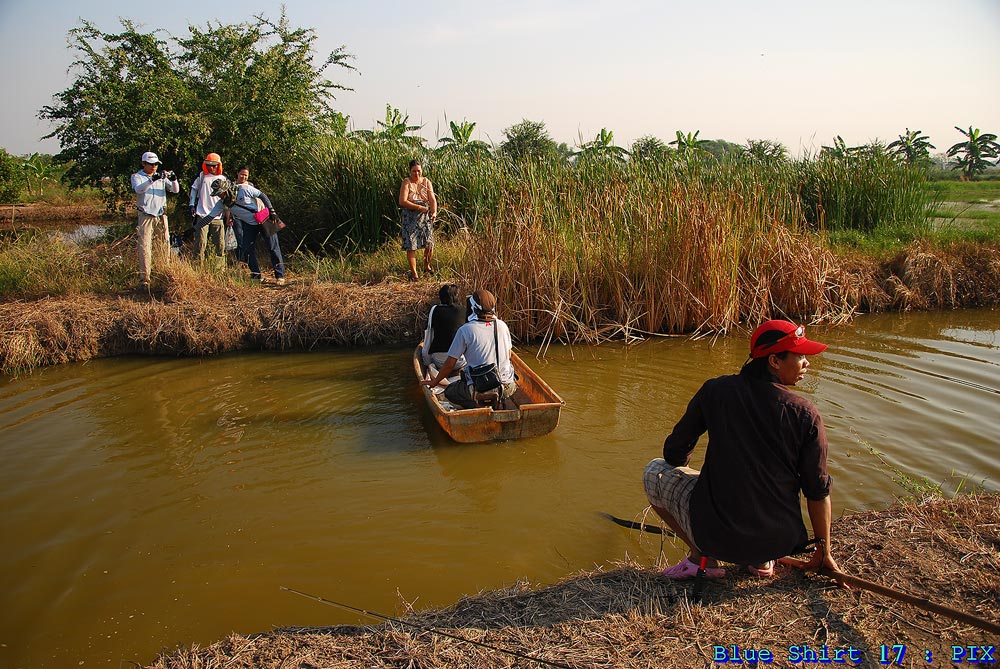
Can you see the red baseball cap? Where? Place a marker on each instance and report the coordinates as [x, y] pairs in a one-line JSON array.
[[778, 336]]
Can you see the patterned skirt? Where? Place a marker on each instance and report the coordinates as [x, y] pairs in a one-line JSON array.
[[418, 229]]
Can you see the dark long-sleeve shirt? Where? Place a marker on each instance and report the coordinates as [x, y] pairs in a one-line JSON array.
[[765, 444]]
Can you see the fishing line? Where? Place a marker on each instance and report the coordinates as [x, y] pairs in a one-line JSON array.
[[424, 628]]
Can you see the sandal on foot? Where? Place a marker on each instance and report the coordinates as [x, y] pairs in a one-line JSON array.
[[686, 569], [764, 571]]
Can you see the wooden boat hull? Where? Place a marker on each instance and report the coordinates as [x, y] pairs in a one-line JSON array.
[[532, 412]]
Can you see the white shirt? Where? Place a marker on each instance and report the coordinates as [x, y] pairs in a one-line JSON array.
[[474, 340], [202, 199], [151, 196]]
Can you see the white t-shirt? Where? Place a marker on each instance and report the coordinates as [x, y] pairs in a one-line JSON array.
[[474, 340], [202, 199]]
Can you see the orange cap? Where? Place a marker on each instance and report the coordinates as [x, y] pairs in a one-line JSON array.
[[211, 159]]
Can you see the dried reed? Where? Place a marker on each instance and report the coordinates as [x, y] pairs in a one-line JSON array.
[[627, 616]]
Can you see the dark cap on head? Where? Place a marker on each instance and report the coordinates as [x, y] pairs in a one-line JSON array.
[[485, 303], [778, 336]]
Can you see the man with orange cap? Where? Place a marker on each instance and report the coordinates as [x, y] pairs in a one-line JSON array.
[[766, 444], [207, 208]]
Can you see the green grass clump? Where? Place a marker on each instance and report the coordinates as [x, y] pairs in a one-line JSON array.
[[35, 264]]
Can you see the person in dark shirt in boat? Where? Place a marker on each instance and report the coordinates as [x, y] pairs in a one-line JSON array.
[[482, 340], [443, 322], [765, 445]]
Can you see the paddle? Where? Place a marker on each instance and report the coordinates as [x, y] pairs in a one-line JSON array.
[[920, 602]]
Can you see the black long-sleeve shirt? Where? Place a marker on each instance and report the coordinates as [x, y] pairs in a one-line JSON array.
[[765, 444]]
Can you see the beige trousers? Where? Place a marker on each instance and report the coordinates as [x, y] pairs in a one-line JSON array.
[[144, 242]]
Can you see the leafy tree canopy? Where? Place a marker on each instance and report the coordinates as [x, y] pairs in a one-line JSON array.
[[528, 140], [10, 177], [248, 91]]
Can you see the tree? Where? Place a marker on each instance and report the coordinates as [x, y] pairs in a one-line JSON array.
[[10, 178], [528, 140], [41, 168], [839, 150], [461, 141], [764, 151], [972, 156], [258, 93], [689, 146], [249, 91], [602, 147], [650, 149], [394, 129], [912, 147]]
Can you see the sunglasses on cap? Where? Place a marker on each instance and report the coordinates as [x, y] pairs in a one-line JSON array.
[[797, 333]]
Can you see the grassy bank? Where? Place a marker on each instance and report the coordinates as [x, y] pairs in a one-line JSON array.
[[63, 302], [575, 253], [627, 616]]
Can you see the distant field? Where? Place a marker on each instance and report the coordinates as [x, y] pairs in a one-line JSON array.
[[966, 191], [965, 207]]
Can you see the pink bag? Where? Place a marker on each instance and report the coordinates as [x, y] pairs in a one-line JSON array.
[[262, 211]]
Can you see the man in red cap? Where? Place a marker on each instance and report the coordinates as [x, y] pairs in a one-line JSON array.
[[765, 445]]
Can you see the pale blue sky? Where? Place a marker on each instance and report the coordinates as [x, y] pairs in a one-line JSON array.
[[795, 71]]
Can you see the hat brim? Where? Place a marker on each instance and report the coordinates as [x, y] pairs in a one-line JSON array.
[[806, 347]]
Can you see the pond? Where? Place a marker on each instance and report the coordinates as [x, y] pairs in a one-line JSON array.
[[151, 502]]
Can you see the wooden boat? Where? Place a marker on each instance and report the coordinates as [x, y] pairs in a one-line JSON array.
[[533, 411]]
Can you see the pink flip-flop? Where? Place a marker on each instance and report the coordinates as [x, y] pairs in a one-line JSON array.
[[686, 569], [766, 571]]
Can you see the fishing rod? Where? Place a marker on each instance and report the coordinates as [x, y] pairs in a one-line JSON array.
[[425, 628], [642, 527], [920, 602]]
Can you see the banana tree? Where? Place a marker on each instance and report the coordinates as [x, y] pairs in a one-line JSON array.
[[912, 147], [839, 149], [393, 129], [42, 170], [689, 146], [973, 155], [461, 140], [602, 146]]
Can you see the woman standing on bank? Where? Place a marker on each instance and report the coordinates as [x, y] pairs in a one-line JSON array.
[[243, 210], [416, 198]]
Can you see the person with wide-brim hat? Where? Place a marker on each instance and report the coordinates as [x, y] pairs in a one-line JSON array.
[[766, 445]]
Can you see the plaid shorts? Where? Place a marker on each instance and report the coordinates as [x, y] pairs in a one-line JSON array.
[[669, 488]]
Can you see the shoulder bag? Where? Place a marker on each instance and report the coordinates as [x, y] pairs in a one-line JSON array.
[[486, 377]]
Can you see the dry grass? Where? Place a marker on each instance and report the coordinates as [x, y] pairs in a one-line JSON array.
[[197, 312], [946, 550], [191, 314]]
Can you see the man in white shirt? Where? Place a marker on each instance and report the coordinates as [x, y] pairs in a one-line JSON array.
[[207, 209], [151, 186], [483, 340]]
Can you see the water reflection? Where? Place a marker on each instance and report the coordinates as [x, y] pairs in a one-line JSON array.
[[154, 501]]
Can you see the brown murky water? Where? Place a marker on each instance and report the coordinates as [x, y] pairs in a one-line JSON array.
[[151, 502]]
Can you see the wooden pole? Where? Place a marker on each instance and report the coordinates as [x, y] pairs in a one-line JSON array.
[[920, 602]]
